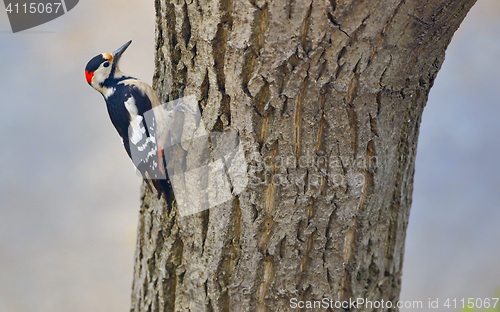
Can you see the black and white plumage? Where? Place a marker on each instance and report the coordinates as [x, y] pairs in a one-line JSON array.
[[129, 102]]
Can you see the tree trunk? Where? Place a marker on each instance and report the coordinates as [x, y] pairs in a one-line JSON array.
[[327, 98]]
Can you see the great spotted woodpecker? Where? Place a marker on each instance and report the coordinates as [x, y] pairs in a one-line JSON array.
[[127, 100]]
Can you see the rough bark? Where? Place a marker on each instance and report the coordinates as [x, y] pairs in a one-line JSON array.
[[327, 98]]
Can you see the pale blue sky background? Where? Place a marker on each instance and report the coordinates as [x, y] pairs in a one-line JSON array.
[[453, 241], [69, 196]]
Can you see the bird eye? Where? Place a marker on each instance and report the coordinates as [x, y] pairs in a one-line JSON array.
[[106, 64]]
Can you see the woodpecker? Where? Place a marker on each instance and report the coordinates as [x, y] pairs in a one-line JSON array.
[[127, 100]]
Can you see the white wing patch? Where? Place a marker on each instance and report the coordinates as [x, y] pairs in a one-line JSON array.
[[131, 107], [136, 128]]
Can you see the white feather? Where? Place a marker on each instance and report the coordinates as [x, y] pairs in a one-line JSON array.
[[108, 92], [136, 129]]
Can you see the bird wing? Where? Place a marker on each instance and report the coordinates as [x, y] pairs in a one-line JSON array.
[[142, 134]]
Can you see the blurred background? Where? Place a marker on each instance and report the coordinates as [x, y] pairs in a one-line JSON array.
[[69, 196]]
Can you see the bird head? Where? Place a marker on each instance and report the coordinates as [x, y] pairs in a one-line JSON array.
[[103, 67]]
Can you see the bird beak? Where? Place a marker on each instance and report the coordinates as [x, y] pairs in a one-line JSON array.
[[118, 53]]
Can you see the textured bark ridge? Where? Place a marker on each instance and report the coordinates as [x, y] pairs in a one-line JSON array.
[[327, 98]]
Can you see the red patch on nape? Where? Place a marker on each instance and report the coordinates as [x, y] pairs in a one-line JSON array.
[[89, 76]]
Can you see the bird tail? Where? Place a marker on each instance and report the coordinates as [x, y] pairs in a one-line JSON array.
[[163, 186]]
